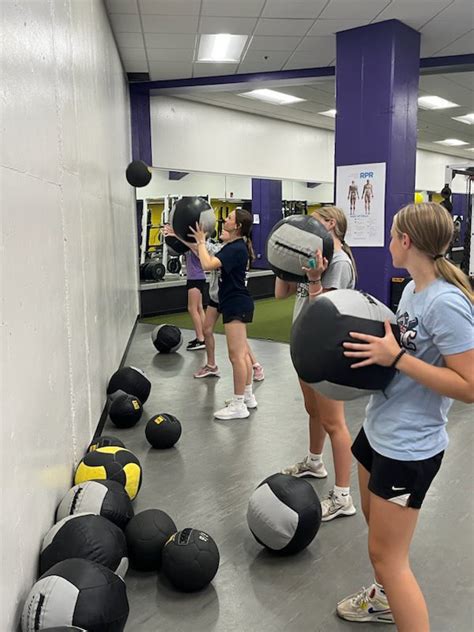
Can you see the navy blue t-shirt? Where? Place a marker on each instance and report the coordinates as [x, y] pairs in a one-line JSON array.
[[234, 297]]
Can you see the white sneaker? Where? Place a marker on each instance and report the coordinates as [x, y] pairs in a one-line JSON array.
[[333, 506], [233, 410], [365, 606], [306, 468], [250, 402]]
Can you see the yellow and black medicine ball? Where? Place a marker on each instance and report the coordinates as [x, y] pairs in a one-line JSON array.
[[114, 464]]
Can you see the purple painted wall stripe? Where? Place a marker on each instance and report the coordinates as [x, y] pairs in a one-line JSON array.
[[141, 127]]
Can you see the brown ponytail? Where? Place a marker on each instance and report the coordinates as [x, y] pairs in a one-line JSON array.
[[244, 224], [340, 229]]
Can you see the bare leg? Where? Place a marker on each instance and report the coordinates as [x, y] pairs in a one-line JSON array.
[[194, 309], [211, 317], [236, 335], [317, 434]]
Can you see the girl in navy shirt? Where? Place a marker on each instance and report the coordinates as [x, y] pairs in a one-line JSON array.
[[235, 304]]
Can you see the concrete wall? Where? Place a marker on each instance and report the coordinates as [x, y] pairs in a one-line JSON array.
[[68, 260]]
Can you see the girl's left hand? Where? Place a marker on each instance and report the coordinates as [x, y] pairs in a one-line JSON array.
[[321, 265], [375, 350], [198, 233]]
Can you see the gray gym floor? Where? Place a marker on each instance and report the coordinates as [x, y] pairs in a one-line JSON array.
[[206, 480]]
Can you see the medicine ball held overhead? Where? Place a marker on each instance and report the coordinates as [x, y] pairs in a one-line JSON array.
[[190, 559], [191, 210], [104, 442], [130, 380], [124, 410], [146, 535], [318, 354], [167, 338], [284, 514], [103, 498], [293, 241], [78, 593], [113, 464], [163, 431], [86, 536], [138, 174]]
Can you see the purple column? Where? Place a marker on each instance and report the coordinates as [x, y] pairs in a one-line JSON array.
[[141, 126], [377, 71], [266, 205]]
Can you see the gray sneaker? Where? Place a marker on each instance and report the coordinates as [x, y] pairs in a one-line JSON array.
[[306, 468], [332, 507]]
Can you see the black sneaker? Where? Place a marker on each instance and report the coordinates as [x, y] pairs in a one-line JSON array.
[[195, 344]]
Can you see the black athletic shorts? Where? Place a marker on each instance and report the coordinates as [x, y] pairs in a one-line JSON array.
[[402, 482], [245, 317], [200, 284], [213, 304]]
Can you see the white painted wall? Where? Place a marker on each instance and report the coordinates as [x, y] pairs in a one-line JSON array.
[[430, 174], [68, 260]]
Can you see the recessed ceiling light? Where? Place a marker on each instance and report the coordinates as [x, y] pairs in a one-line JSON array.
[[271, 96], [435, 103], [466, 118], [330, 113], [451, 142], [221, 47]]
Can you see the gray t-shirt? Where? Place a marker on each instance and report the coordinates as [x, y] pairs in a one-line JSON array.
[[213, 248], [339, 276]]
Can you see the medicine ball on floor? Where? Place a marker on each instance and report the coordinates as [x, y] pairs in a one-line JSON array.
[[187, 212], [163, 431], [89, 537], [124, 410], [146, 535], [138, 174], [104, 442], [176, 246], [167, 338], [317, 352], [103, 498], [113, 464], [190, 559], [284, 514], [292, 242], [78, 593], [130, 380]]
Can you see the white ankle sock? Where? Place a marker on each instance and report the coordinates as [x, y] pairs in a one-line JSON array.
[[248, 390], [239, 399], [315, 458], [379, 591], [341, 492]]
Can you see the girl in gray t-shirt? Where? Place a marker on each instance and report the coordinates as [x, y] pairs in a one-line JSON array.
[[325, 415]]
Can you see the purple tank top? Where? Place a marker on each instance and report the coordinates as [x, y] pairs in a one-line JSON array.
[[194, 269]]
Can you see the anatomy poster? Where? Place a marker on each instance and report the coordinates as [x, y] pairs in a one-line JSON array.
[[360, 193]]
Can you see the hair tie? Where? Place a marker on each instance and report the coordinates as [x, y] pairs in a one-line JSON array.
[[438, 257]]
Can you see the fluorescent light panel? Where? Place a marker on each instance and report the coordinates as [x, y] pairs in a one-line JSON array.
[[330, 113], [271, 96], [221, 47], [435, 103], [451, 142], [466, 118]]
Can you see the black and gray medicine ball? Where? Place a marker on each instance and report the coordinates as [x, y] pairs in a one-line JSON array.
[[124, 410], [113, 464], [191, 210], [146, 535], [167, 338], [284, 514], [190, 559], [317, 352], [104, 442], [163, 431], [78, 593], [89, 537], [103, 498], [292, 242], [138, 174], [130, 380], [176, 246]]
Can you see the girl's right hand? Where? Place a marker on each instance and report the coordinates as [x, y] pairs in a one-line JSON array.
[[167, 231]]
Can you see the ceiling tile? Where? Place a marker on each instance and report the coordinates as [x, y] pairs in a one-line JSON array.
[[133, 54], [234, 26], [169, 7], [125, 23], [135, 66], [293, 8], [414, 14], [170, 70], [170, 24], [308, 60], [345, 9], [268, 26], [121, 6], [255, 61], [212, 70], [446, 27], [170, 40], [170, 54], [129, 40], [329, 27], [464, 45], [261, 42], [317, 45], [464, 79], [232, 8]]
